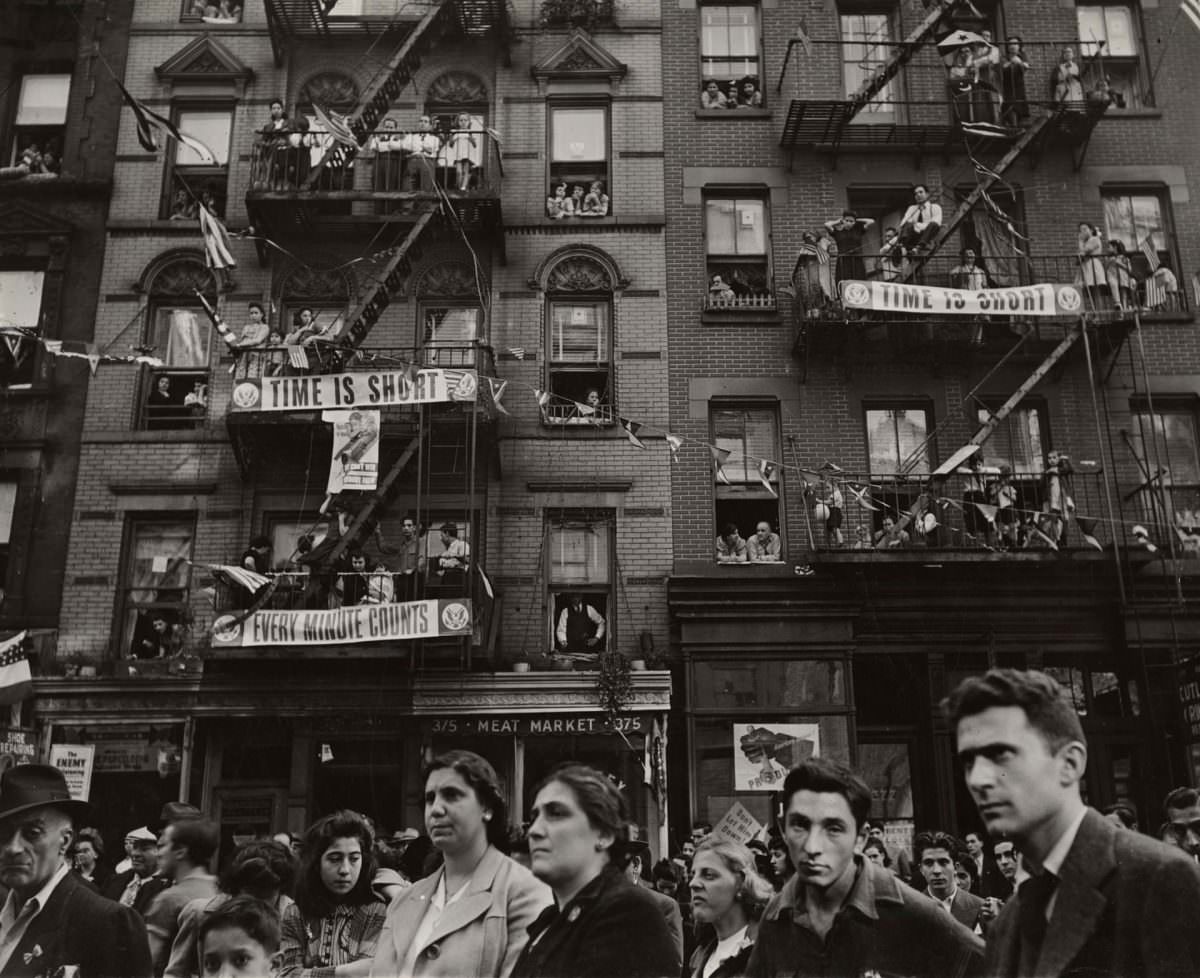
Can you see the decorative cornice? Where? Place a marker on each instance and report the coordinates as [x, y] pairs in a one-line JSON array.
[[579, 58], [205, 60], [533, 692]]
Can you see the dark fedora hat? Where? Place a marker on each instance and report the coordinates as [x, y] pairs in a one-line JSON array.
[[29, 786]]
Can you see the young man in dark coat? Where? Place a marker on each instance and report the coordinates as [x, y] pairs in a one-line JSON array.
[[1091, 899], [841, 914], [52, 920]]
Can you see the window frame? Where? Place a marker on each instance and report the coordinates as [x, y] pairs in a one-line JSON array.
[[1142, 418], [195, 177], [875, 112], [122, 634], [719, 262], [748, 494], [554, 174], [723, 81], [603, 520], [1038, 407], [602, 372], [1143, 99], [32, 366], [15, 129], [447, 354], [900, 404], [150, 374], [1167, 254], [186, 17]]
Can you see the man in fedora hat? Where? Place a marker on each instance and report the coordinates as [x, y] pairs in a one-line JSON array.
[[51, 920]]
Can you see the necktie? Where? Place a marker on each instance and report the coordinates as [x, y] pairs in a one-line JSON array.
[[131, 891], [1034, 896]]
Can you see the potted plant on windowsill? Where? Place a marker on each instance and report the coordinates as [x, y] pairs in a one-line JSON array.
[[588, 14], [614, 687]]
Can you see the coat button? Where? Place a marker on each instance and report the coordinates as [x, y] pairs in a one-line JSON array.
[[432, 951]]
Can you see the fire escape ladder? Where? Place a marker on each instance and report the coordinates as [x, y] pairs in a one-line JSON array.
[[985, 182], [365, 520], [915, 40], [389, 282], [386, 87]]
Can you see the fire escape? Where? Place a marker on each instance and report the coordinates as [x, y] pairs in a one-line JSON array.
[[299, 195]]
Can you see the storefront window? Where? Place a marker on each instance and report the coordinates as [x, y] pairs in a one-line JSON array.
[[619, 758], [775, 684], [885, 767]]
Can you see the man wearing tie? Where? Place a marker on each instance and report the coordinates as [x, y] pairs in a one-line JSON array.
[[922, 221], [1090, 899]]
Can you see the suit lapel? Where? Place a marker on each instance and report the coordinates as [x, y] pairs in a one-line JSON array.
[[45, 932], [410, 911], [475, 902], [1079, 904]]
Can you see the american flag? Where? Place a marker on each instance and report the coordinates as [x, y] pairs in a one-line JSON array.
[[15, 678], [241, 576], [216, 240], [149, 123], [1192, 9], [298, 357], [1156, 292], [1149, 251], [336, 126], [517, 352]]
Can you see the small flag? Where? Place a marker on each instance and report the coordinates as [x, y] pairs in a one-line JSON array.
[[674, 442], [1192, 9], [542, 397], [216, 240], [298, 357], [1149, 251], [517, 352], [986, 130], [1087, 529], [720, 456], [860, 496], [16, 681], [583, 410], [497, 388], [1196, 289], [93, 357], [486, 582], [766, 472], [1156, 292], [1142, 536], [803, 38], [336, 126], [150, 122], [215, 318], [631, 430], [988, 511], [240, 576], [53, 347]]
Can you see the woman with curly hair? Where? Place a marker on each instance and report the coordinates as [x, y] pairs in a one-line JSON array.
[[728, 897], [601, 924], [333, 928], [263, 870]]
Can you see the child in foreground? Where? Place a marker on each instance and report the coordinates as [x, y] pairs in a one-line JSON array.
[[240, 939]]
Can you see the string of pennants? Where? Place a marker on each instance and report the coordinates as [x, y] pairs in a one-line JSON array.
[[14, 336]]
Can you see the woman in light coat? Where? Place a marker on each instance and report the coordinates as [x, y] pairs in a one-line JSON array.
[[471, 917]]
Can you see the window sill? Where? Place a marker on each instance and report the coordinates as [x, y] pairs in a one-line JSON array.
[[733, 114], [742, 316], [1132, 114], [583, 223]]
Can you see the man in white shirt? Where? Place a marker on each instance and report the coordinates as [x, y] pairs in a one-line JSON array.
[[922, 221], [1091, 899], [52, 922], [453, 562], [421, 149]]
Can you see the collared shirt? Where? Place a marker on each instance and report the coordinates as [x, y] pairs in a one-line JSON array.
[[437, 906], [725, 949], [14, 922], [764, 549], [735, 550], [948, 903], [129, 894], [1057, 855]]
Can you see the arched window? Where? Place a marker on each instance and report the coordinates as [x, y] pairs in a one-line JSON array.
[[451, 319], [179, 333], [579, 290], [333, 92], [326, 294], [451, 96]]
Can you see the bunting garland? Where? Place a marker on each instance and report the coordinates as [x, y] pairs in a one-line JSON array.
[[497, 390], [674, 442], [631, 430], [765, 472], [89, 352], [720, 456]]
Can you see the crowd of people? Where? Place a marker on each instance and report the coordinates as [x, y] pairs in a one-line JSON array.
[[1047, 887]]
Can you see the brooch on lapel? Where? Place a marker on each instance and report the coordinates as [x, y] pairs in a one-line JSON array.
[[31, 956], [573, 915]]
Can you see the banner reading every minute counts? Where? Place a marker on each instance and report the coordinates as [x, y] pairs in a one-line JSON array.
[[360, 623], [368, 388]]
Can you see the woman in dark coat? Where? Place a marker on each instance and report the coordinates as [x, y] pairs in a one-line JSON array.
[[601, 925]]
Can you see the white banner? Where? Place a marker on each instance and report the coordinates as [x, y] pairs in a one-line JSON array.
[[762, 756], [354, 462], [360, 623], [367, 388], [1028, 300]]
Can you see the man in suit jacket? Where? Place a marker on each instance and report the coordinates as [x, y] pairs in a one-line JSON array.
[[936, 853], [1091, 899], [52, 919], [137, 887], [667, 906]]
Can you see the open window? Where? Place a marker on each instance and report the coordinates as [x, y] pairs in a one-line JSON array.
[[1109, 41], [580, 580], [198, 175], [731, 56], [737, 243], [898, 454], [868, 38], [39, 128], [580, 361], [750, 434], [212, 11], [155, 582], [579, 159], [1139, 217], [20, 310]]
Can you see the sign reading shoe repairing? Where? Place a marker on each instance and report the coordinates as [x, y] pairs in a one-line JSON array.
[[338, 626], [1026, 300], [368, 388]]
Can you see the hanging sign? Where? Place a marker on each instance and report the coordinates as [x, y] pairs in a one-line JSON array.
[[360, 623], [367, 388], [763, 755], [1027, 300], [354, 462], [17, 746], [547, 725]]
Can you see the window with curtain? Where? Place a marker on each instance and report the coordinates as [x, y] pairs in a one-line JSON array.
[[1167, 439], [750, 434], [193, 176], [1110, 30], [730, 52], [450, 333], [1138, 219], [155, 586], [177, 392], [866, 47], [20, 308], [896, 440], [580, 362], [41, 119], [1018, 441], [579, 558], [579, 157], [737, 244]]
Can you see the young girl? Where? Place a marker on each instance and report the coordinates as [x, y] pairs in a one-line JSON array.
[[595, 204], [712, 96], [464, 150]]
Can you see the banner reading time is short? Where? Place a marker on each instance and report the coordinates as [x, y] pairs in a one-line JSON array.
[[1028, 300], [368, 388]]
